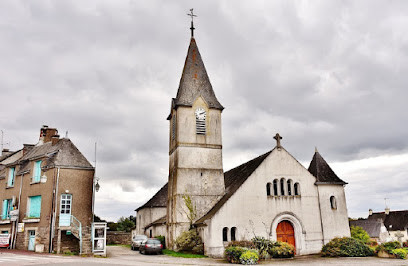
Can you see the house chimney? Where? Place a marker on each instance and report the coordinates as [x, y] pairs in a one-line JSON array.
[[55, 139], [5, 152], [370, 212], [27, 148], [387, 210], [46, 134]]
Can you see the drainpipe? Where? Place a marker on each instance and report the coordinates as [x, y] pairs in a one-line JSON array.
[[18, 218], [51, 234], [321, 218], [54, 211]]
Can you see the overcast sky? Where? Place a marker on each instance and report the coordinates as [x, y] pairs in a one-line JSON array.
[[331, 74]]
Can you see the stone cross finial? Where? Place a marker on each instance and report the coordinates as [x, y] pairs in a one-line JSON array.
[[278, 138], [192, 22]]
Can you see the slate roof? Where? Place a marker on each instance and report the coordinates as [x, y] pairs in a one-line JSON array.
[[233, 179], [372, 226], [394, 221], [62, 154], [194, 81], [160, 221], [158, 200], [322, 171]]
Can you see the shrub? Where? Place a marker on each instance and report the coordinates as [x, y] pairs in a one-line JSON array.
[[281, 250], [242, 243], [262, 245], [405, 244], [400, 253], [388, 246], [359, 233], [249, 257], [372, 243], [162, 240], [346, 247], [232, 254], [190, 241]]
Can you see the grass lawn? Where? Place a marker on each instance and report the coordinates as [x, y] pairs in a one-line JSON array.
[[181, 254], [120, 245]]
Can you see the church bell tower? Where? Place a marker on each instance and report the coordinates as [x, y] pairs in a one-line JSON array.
[[195, 147]]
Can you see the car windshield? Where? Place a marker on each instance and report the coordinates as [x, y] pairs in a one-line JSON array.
[[153, 241]]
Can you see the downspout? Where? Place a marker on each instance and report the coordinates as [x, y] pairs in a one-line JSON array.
[[321, 217], [18, 218], [55, 209], [52, 215]]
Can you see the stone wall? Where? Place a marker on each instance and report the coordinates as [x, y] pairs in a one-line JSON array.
[[118, 237]]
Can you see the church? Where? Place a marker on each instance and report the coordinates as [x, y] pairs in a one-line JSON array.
[[272, 195]]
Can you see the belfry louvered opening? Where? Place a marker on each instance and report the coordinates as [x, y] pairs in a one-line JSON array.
[[200, 122]]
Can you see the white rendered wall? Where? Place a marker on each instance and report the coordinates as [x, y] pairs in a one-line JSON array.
[[146, 216]]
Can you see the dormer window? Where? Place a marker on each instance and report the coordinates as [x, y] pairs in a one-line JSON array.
[[200, 121]]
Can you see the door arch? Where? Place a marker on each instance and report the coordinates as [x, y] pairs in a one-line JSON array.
[[286, 233]]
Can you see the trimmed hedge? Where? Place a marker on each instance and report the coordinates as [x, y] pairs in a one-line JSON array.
[[346, 247], [388, 246], [190, 241]]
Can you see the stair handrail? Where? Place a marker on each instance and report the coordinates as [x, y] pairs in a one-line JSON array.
[[77, 224]]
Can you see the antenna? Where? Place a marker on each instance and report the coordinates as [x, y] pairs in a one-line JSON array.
[[3, 143]]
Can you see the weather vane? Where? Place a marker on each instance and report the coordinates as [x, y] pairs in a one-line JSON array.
[[192, 22]]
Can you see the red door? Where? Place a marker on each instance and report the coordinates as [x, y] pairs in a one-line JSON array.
[[286, 233]]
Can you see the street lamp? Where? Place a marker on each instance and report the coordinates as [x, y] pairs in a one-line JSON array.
[[97, 186]]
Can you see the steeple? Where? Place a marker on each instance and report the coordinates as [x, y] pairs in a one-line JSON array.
[[322, 171]]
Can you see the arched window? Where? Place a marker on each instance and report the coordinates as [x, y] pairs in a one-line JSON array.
[[268, 191], [297, 189], [200, 121], [282, 187], [225, 234], [275, 187], [289, 187], [233, 233], [333, 203]]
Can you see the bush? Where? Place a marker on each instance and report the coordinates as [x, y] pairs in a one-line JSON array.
[[281, 250], [405, 244], [190, 241], [249, 257], [372, 243], [242, 243], [359, 233], [346, 247], [400, 253], [233, 254], [262, 245], [388, 247], [162, 240]]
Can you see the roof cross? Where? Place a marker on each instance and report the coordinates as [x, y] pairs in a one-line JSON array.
[[192, 22], [278, 138]]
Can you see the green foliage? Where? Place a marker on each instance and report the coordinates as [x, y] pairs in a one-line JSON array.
[[249, 257], [359, 233], [242, 243], [181, 254], [346, 247], [263, 245], [125, 224], [190, 241], [281, 250], [400, 253], [405, 244], [98, 219], [388, 246], [162, 240], [192, 211], [233, 253]]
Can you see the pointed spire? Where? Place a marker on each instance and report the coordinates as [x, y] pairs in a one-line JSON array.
[[194, 81], [322, 171]]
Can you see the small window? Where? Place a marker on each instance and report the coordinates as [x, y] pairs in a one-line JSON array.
[[290, 187], [268, 191], [200, 121], [333, 203], [151, 233], [282, 186], [173, 128], [34, 207], [297, 189], [275, 187], [233, 233], [12, 175], [225, 234], [37, 172], [6, 209]]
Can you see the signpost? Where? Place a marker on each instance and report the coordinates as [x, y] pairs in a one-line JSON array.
[[14, 215], [4, 240]]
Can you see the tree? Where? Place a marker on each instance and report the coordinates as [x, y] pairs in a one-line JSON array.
[[125, 224], [359, 233], [192, 210]]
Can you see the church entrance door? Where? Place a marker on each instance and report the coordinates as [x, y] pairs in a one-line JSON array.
[[286, 233]]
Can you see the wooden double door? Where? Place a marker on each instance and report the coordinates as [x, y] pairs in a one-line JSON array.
[[286, 233]]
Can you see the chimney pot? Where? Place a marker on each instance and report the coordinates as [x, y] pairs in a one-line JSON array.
[[370, 212], [387, 211]]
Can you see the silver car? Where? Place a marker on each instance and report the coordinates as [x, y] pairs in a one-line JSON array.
[[137, 241]]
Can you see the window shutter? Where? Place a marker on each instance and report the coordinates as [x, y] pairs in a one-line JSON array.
[[37, 171], [5, 208], [35, 206], [10, 182]]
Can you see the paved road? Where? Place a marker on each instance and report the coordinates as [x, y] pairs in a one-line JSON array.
[[124, 256]]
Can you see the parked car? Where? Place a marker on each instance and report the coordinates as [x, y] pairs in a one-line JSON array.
[[151, 245], [137, 241]]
